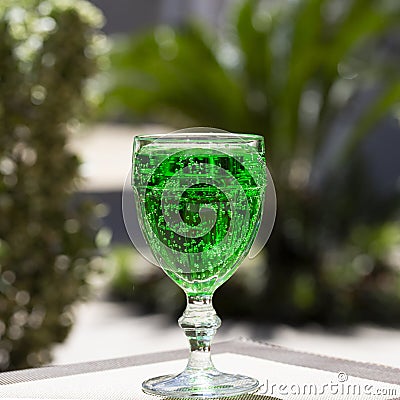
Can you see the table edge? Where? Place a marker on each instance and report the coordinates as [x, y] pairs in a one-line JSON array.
[[241, 346]]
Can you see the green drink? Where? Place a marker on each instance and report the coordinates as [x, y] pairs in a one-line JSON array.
[[200, 209], [199, 198]]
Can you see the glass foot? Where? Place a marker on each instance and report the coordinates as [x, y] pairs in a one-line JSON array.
[[200, 384]]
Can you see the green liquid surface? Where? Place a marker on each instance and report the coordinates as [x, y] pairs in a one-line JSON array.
[[200, 211]]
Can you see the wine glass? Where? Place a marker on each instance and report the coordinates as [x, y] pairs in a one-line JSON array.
[[199, 198]]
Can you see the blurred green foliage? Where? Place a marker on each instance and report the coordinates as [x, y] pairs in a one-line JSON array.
[[48, 52], [134, 279], [315, 77]]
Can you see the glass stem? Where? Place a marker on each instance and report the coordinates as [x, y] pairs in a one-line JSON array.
[[200, 323]]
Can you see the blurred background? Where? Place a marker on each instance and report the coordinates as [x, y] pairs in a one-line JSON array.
[[318, 78]]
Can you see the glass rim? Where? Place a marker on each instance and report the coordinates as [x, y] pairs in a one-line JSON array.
[[192, 135]]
